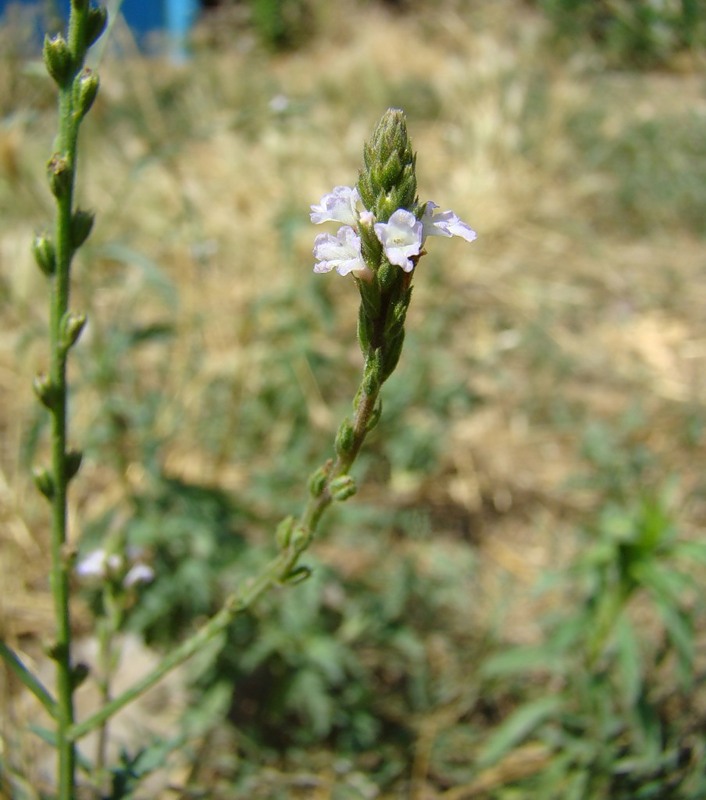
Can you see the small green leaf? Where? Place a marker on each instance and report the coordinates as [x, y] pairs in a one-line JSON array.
[[629, 661], [517, 727]]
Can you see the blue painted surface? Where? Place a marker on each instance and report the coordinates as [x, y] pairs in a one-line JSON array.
[[174, 17]]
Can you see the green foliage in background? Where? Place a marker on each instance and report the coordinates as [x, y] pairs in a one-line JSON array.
[[618, 722], [631, 33], [284, 24]]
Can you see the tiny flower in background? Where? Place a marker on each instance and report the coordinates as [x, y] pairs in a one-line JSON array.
[[139, 573], [401, 238], [340, 252], [98, 565], [279, 103]]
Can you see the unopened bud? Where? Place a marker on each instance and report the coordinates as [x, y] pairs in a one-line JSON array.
[[46, 390], [388, 181], [96, 24], [44, 254], [283, 534], [317, 481], [73, 463], [345, 438], [59, 174], [301, 537], [342, 488], [81, 226], [79, 674], [85, 91], [72, 324], [58, 59], [43, 481]]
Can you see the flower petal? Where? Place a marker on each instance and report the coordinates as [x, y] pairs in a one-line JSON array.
[[401, 238], [343, 204], [445, 223], [340, 252]]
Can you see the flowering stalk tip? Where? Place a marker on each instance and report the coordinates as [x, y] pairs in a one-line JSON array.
[[381, 238]]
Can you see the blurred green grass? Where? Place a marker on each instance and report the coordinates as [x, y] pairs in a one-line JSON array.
[[553, 371]]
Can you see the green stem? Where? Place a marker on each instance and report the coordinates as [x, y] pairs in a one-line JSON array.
[[276, 572], [60, 563], [67, 142]]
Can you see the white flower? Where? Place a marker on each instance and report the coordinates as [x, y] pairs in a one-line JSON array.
[[444, 223], [340, 252], [139, 573], [401, 238], [98, 565], [279, 103], [343, 204]]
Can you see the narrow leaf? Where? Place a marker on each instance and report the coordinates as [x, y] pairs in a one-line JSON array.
[[28, 679], [517, 727]]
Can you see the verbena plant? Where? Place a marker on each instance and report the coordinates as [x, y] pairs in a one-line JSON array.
[[380, 241]]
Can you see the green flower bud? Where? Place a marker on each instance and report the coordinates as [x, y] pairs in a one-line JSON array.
[[95, 24], [300, 539], [44, 481], [283, 534], [342, 488], [60, 175], [388, 276], [388, 180], [73, 463], [81, 226], [56, 651], [345, 438], [80, 5], [373, 375], [46, 390], [317, 482], [85, 90], [79, 674], [44, 254], [72, 324], [58, 59]]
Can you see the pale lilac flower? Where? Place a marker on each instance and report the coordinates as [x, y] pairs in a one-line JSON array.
[[401, 238], [444, 223], [279, 103], [139, 573], [98, 565], [340, 252], [343, 204]]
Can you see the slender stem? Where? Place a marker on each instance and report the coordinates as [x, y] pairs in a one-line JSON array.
[[277, 571], [274, 572], [67, 141], [60, 565]]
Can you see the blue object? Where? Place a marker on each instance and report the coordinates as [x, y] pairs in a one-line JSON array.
[[171, 17]]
